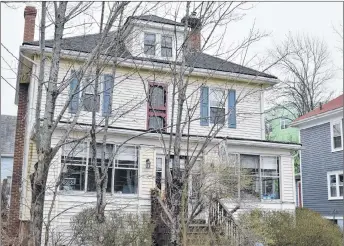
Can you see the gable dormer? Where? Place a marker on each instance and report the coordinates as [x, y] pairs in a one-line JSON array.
[[154, 37]]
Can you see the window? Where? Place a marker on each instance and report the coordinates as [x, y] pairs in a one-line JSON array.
[[166, 46], [157, 107], [88, 94], [78, 171], [285, 123], [149, 44], [336, 135], [268, 128], [217, 106], [335, 185], [158, 174], [109, 151], [263, 175], [74, 166]]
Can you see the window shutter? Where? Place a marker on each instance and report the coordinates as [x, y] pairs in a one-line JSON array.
[[231, 109], [74, 90], [107, 88], [204, 106]]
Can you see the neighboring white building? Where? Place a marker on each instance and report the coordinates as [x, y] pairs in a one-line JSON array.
[[130, 181]]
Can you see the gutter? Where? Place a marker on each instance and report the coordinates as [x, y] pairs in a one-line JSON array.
[[196, 138], [132, 63]]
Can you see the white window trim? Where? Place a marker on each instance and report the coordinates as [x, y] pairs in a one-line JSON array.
[[108, 194], [337, 185], [332, 123], [284, 123], [225, 103]]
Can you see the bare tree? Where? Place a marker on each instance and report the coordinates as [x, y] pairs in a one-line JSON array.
[[306, 71]]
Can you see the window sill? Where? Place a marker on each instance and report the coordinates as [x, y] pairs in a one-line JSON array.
[[93, 194], [336, 150], [335, 198], [270, 200]]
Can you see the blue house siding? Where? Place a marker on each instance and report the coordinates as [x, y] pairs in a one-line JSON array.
[[316, 160]]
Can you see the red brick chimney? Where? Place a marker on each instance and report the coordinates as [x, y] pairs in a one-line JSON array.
[[30, 13], [23, 88], [194, 42]]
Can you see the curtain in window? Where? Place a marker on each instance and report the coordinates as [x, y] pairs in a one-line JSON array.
[[157, 96]]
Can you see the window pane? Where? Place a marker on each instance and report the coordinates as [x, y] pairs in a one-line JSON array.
[[127, 157], [126, 181], [337, 142], [250, 164], [158, 164], [340, 190], [88, 83], [74, 153], [269, 166], [157, 96], [158, 179], [333, 186], [88, 102], [149, 49], [155, 122], [166, 42], [270, 188], [149, 38], [91, 180], [73, 178], [166, 52], [217, 98], [252, 189], [336, 130], [196, 185], [217, 115]]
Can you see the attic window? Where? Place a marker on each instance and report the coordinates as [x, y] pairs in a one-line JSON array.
[[149, 44], [166, 46]]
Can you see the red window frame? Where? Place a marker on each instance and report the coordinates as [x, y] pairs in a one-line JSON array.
[[150, 109]]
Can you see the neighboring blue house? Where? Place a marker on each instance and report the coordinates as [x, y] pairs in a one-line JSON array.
[[7, 134], [321, 135]]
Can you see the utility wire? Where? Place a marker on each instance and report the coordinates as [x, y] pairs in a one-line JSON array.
[[8, 83]]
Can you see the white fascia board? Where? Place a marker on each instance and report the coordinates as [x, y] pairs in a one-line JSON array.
[[133, 63], [195, 139], [155, 25], [318, 119]]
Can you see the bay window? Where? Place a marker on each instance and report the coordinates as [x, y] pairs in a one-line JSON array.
[[263, 174], [335, 185], [78, 171]]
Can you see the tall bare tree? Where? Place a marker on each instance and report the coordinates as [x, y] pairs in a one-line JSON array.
[[307, 70]]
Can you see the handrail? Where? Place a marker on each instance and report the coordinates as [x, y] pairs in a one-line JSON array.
[[222, 217]]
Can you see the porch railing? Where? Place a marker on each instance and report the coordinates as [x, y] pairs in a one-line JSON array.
[[222, 219]]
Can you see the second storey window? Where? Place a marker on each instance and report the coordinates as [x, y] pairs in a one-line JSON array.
[[88, 95], [166, 46], [284, 123], [149, 44], [157, 106], [335, 185], [337, 133], [217, 106]]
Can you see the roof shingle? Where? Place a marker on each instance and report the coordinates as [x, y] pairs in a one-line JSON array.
[[331, 105], [86, 43]]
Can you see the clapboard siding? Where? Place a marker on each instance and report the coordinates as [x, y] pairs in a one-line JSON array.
[[130, 105], [316, 160]]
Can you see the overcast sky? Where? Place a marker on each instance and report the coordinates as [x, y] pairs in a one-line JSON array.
[[314, 18]]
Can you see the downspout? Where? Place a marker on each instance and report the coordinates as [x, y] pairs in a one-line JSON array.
[[262, 118]]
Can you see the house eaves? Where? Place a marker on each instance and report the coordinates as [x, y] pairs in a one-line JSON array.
[[151, 65]]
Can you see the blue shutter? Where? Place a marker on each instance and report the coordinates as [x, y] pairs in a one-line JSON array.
[[74, 90], [204, 106], [231, 109], [107, 88]]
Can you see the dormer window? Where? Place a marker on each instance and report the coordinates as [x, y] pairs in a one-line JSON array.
[[149, 44], [166, 46]]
